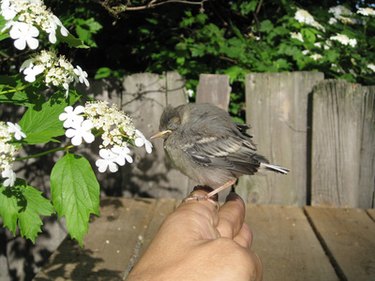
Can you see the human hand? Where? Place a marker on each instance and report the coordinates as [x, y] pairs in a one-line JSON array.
[[198, 241]]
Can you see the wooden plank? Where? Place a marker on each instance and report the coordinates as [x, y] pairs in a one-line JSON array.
[[277, 107], [343, 141], [371, 213], [162, 208], [367, 167], [287, 245], [215, 89], [145, 96], [349, 238], [108, 247]]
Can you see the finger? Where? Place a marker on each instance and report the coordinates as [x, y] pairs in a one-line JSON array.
[[199, 197], [231, 216], [244, 237], [258, 267], [198, 217]]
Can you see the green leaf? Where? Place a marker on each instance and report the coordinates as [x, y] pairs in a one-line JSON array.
[[103, 72], [23, 205], [75, 193], [41, 123], [266, 26], [72, 41], [3, 35]]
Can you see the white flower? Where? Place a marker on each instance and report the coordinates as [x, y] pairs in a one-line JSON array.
[[7, 11], [32, 71], [345, 40], [23, 34], [339, 11], [366, 11], [123, 155], [342, 14], [296, 35], [332, 21], [82, 75], [81, 131], [316, 57], [16, 130], [190, 93], [140, 140], [72, 116], [107, 161], [305, 52], [31, 13], [304, 16], [371, 66], [10, 177]]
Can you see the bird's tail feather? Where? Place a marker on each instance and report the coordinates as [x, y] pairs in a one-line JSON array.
[[274, 168]]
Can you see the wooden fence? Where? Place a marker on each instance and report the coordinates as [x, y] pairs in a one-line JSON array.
[[323, 130]]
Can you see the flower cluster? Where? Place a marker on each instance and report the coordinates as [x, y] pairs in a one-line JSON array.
[[57, 70], [114, 126], [344, 40], [8, 133], [305, 17], [366, 12], [24, 20], [342, 14]]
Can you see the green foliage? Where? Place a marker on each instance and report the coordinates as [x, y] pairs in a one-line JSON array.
[[75, 193], [41, 122], [22, 206]]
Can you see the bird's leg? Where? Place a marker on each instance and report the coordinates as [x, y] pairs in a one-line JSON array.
[[224, 186]]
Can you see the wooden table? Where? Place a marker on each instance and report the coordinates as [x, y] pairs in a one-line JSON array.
[[294, 243]]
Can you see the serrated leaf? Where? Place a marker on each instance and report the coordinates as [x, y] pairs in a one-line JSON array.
[[41, 123], [75, 193], [23, 205]]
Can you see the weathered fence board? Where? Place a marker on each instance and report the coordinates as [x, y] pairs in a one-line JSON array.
[[343, 142], [371, 213], [277, 109], [145, 96], [215, 89], [286, 244], [349, 237]]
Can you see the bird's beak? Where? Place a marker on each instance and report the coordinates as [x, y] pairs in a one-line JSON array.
[[160, 134]]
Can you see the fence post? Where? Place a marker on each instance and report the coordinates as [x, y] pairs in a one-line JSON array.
[[215, 89], [343, 145], [277, 110], [145, 96]]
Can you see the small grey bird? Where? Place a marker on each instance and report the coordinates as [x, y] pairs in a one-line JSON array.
[[204, 144]]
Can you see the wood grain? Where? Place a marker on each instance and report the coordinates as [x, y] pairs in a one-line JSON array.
[[349, 237], [144, 98], [343, 141], [277, 107], [287, 245], [109, 246], [371, 213], [215, 89]]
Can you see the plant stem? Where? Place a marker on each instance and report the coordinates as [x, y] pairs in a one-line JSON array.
[[45, 153], [14, 90]]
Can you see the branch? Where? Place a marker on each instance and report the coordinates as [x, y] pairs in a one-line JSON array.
[[117, 9]]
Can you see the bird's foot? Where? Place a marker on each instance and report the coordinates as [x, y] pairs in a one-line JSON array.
[[224, 186], [202, 197]]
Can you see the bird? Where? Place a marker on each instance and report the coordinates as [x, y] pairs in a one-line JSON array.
[[203, 142]]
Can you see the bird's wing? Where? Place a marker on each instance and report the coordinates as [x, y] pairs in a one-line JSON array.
[[225, 150]]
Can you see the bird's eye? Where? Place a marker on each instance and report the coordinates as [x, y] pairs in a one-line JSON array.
[[174, 123]]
